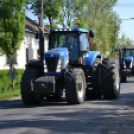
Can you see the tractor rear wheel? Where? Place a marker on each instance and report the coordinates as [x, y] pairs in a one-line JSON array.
[[93, 89], [75, 85], [110, 78], [27, 94]]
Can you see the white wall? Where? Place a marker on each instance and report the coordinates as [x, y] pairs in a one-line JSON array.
[[29, 43]]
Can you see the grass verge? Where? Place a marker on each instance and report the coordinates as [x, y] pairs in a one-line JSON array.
[[9, 94]]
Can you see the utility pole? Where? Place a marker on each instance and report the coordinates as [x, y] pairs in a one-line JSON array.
[[41, 33]]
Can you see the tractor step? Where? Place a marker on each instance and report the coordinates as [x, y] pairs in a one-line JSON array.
[[90, 84], [90, 88]]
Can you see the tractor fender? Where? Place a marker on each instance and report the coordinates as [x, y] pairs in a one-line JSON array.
[[92, 56]]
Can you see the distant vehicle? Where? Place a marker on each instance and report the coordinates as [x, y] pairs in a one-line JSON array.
[[126, 63]]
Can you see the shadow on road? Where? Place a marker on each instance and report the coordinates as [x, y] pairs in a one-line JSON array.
[[12, 104], [97, 119], [93, 117], [123, 100]]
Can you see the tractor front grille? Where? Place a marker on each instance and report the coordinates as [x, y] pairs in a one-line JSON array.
[[52, 63], [128, 64]]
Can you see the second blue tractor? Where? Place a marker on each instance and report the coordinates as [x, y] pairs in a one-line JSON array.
[[127, 62]]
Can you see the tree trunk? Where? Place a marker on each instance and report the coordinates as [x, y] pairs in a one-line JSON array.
[[50, 21]]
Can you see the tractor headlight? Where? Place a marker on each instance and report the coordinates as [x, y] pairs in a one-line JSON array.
[[124, 64], [131, 65], [45, 70], [45, 67], [60, 61], [59, 66], [58, 70]]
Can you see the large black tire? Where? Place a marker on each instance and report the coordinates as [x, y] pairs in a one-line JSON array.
[[75, 85], [123, 79], [93, 89], [110, 78], [27, 94]]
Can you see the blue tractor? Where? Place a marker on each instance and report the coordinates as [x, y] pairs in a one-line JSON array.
[[127, 63], [70, 65]]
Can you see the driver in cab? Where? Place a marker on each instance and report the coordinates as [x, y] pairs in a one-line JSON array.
[[131, 53]]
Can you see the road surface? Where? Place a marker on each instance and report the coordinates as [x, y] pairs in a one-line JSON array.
[[91, 117]]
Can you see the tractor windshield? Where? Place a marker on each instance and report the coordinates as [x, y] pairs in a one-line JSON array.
[[128, 53], [63, 39], [68, 40]]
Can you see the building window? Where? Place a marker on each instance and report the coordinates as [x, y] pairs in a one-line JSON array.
[[27, 55]]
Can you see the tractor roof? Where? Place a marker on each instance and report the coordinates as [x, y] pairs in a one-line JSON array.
[[69, 29], [128, 48]]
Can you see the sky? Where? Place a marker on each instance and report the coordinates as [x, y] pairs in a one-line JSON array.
[[125, 10]]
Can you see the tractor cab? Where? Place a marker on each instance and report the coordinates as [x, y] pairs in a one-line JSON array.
[[75, 40], [128, 57], [127, 63]]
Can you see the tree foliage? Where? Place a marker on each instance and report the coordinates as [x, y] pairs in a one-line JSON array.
[[51, 10], [70, 10], [12, 25], [124, 41], [100, 17]]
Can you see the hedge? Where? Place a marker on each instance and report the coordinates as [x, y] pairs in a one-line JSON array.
[[6, 83]]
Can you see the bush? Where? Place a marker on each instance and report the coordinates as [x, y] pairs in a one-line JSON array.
[[6, 83]]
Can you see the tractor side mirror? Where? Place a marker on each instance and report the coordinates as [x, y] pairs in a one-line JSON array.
[[91, 34], [37, 35]]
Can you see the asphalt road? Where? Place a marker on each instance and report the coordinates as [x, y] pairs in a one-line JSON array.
[[91, 117]]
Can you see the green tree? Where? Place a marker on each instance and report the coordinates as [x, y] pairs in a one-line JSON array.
[[124, 41], [12, 25], [51, 10], [100, 17], [69, 11]]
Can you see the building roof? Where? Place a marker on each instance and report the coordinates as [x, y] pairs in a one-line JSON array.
[[32, 26], [69, 29]]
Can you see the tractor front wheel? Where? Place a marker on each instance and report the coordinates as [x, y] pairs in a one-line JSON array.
[[27, 94], [75, 85]]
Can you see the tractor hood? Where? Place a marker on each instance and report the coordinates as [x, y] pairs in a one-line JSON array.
[[56, 61], [128, 59], [57, 52]]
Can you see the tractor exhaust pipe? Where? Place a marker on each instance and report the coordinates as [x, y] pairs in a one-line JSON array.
[[41, 34]]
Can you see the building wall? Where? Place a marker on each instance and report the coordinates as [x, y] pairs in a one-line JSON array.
[[32, 45]]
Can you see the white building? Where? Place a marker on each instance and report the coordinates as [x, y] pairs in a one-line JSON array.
[[29, 47]]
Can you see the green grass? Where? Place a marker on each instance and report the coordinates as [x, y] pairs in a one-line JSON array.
[[6, 84], [9, 94]]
